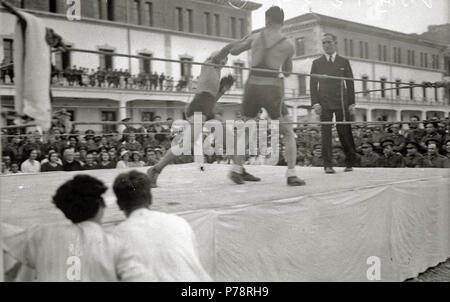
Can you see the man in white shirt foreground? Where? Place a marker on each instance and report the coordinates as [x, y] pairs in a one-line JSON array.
[[81, 250], [165, 243]]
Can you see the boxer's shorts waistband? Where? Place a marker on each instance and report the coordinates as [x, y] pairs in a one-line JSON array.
[[255, 80], [266, 74]]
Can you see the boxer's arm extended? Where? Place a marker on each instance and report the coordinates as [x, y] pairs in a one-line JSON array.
[[235, 48]]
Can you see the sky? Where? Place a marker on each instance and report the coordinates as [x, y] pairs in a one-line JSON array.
[[408, 16]]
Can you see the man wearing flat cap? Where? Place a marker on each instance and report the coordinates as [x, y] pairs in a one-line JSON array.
[[432, 158], [369, 158], [316, 159], [413, 158], [390, 158], [431, 133], [398, 139]]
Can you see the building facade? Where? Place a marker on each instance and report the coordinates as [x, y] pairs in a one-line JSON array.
[[186, 30], [375, 54]]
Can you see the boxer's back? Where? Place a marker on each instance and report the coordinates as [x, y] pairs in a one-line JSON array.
[[270, 49]]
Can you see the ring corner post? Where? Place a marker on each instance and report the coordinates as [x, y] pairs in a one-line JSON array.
[[344, 117], [1, 211]]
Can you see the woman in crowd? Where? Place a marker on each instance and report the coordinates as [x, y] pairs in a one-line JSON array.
[[123, 163], [105, 161], [159, 152], [53, 163], [31, 165], [47, 157], [136, 161]]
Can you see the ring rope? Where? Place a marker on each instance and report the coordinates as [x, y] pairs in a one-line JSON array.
[[122, 107], [112, 123], [304, 124], [320, 76]]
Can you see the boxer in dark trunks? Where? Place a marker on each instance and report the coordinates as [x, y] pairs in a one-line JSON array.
[[210, 89], [271, 51]]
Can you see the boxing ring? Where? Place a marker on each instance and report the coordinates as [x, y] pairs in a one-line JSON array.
[[270, 232], [371, 224]]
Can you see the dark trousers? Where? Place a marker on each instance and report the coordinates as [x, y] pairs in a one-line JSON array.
[[345, 137]]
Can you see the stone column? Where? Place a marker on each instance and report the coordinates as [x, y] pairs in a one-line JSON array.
[[423, 115], [398, 115], [369, 114], [122, 114]]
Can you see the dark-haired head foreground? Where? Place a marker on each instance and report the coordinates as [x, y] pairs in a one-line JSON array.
[[133, 191], [80, 199]]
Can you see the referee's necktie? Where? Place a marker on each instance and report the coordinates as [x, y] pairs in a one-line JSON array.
[[330, 59]]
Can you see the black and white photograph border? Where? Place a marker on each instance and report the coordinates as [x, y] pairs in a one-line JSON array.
[[225, 141]]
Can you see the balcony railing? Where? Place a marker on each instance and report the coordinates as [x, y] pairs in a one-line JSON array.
[[379, 100], [233, 91], [290, 93], [402, 101]]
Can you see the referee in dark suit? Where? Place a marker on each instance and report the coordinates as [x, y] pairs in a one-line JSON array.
[[329, 96]]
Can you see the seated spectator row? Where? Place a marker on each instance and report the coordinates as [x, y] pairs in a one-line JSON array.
[[389, 146]]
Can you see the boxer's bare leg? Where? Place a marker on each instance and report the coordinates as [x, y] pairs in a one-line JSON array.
[[171, 155], [289, 142], [238, 173], [291, 151]]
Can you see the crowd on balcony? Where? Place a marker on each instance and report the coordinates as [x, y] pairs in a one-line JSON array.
[[111, 78], [66, 149]]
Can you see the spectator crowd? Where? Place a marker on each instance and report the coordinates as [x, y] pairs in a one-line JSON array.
[[389, 146], [111, 78], [64, 149], [70, 150]]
